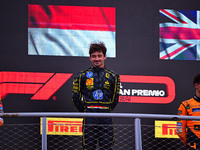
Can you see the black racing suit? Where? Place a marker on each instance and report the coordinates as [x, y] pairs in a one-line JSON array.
[[96, 90]]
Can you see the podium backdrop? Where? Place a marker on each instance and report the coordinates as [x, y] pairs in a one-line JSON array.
[[152, 44]]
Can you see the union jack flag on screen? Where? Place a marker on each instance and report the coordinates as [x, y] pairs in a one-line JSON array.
[[179, 34]]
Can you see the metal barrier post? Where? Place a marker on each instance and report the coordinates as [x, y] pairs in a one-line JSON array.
[[138, 139], [44, 133]]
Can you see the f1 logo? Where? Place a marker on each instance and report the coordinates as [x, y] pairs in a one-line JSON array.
[[42, 85], [170, 86]]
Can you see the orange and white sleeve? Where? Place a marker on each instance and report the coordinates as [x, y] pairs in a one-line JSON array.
[[181, 124]]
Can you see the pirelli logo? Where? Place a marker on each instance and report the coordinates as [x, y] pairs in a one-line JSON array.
[[165, 129], [63, 126]]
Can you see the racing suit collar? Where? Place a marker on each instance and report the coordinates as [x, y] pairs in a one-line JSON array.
[[95, 68], [196, 98]]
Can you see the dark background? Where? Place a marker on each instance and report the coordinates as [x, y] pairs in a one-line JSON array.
[[137, 45]]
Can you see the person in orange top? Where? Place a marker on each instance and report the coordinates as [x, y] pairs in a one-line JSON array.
[[189, 130]]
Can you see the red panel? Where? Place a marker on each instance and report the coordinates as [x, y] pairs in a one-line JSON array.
[[149, 79], [25, 77], [51, 86], [28, 83], [18, 88], [72, 17]]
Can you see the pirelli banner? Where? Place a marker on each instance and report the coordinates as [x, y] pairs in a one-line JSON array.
[[73, 126], [63, 126], [165, 129]]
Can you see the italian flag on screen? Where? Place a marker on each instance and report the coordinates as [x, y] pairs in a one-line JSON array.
[[68, 30]]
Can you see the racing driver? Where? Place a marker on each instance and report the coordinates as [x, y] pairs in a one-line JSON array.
[[189, 130], [96, 90]]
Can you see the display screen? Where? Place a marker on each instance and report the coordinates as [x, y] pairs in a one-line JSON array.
[[69, 30], [179, 34]]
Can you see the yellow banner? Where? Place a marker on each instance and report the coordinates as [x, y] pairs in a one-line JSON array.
[[165, 129], [63, 126]]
